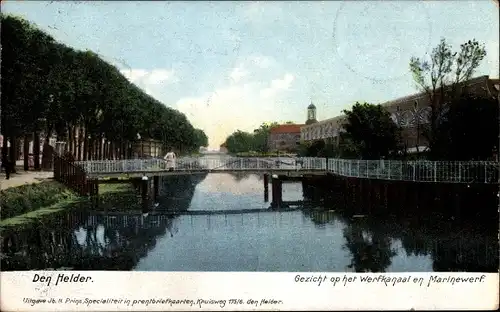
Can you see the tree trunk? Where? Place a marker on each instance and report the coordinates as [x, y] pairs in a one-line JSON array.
[[4, 148], [74, 140], [36, 149], [19, 150], [13, 152], [90, 148], [105, 149], [85, 143], [69, 140], [95, 148], [99, 151], [47, 155], [111, 150], [80, 141], [124, 150], [26, 152], [117, 150]]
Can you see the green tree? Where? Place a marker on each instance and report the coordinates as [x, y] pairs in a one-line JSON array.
[[261, 136], [49, 88], [442, 79], [371, 130], [240, 141], [469, 129], [317, 148]]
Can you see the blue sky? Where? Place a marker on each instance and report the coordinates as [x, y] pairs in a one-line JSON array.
[[233, 65]]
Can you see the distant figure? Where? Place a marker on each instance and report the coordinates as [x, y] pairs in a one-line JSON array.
[[170, 160], [298, 164], [8, 166], [31, 161]]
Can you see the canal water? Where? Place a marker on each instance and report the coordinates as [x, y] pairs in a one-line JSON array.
[[315, 238]]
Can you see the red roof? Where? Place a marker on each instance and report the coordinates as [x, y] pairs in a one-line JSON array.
[[287, 128]]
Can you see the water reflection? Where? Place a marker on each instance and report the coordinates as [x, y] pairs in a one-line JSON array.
[[304, 240]]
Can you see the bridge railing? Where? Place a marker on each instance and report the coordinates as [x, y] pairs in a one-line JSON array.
[[195, 163], [418, 171], [71, 174]]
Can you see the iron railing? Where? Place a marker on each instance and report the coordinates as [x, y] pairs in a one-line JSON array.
[[418, 171]]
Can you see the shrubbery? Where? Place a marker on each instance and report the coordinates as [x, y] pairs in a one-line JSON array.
[[19, 200]]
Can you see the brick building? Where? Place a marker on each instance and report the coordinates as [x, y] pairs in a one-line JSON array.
[[409, 112], [284, 138]]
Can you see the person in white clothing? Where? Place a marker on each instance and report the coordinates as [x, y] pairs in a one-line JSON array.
[[170, 160]]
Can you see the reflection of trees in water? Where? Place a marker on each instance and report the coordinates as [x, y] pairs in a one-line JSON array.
[[465, 255], [451, 248], [84, 242], [238, 176], [81, 241], [176, 192], [371, 251], [320, 218]]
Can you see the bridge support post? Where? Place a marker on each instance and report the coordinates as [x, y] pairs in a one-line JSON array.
[[156, 185], [266, 187], [276, 185], [144, 193], [94, 193]]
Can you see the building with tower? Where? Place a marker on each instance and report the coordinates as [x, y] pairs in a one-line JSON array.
[[328, 130], [409, 112], [311, 114]]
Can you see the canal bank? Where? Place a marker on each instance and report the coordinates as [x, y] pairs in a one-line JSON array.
[[377, 197], [326, 237], [30, 203]]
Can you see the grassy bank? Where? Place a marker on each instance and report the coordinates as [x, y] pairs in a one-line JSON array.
[[28, 203], [114, 196]]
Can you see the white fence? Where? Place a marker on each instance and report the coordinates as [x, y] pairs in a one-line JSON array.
[[203, 164], [419, 171]]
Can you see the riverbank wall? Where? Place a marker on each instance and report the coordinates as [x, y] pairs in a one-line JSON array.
[[25, 204], [406, 198]]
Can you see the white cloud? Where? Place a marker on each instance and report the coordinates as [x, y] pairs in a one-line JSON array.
[[250, 64], [246, 100], [237, 106], [151, 81], [237, 73], [277, 85]]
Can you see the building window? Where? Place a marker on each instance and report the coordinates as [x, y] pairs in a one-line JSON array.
[[415, 105]]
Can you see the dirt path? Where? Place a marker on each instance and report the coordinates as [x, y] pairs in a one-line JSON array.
[[24, 177]]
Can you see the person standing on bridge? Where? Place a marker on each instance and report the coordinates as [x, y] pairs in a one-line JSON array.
[[170, 160]]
